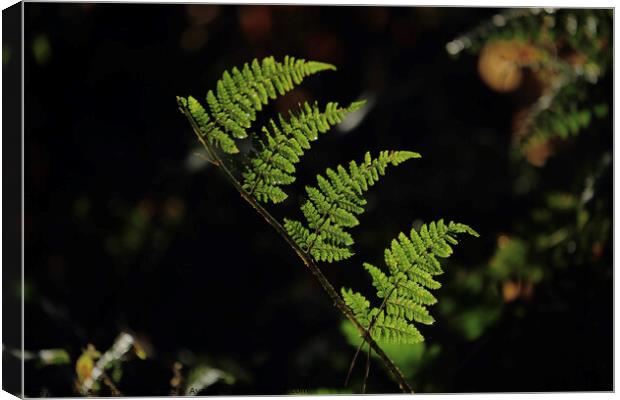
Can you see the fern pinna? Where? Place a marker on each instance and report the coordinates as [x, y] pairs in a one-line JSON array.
[[283, 145], [412, 262], [332, 205]]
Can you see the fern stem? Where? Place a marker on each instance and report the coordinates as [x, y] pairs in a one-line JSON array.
[[305, 258], [367, 370], [357, 352]]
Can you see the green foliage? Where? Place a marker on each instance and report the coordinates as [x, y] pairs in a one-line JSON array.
[[210, 129], [241, 93], [510, 261], [585, 30], [54, 357], [202, 376], [566, 116], [283, 145], [412, 261], [333, 205], [573, 52]]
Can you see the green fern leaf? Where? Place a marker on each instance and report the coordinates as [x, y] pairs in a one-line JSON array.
[[206, 127], [337, 200], [238, 97], [239, 94], [405, 291], [283, 145]]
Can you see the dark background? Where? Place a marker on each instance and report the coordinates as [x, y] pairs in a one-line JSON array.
[[122, 233]]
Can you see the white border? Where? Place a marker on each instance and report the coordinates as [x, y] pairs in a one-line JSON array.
[[452, 3]]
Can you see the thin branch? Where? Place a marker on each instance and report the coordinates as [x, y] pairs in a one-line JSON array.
[[367, 371], [357, 352], [305, 258]]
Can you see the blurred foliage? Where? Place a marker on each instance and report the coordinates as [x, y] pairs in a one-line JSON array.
[[147, 225], [42, 358], [566, 230], [202, 376], [54, 357], [6, 54], [567, 52], [95, 370], [41, 49]]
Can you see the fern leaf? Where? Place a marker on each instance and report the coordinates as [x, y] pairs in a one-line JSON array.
[[405, 292], [283, 145], [337, 199], [239, 94], [238, 97], [208, 128]]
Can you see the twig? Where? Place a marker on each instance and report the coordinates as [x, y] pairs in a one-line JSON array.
[[357, 352], [367, 371]]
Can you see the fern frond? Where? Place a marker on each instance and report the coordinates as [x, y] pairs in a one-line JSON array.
[[283, 145], [334, 204], [239, 94], [238, 97], [405, 291]]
